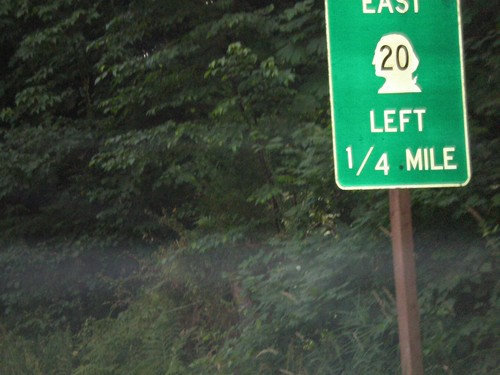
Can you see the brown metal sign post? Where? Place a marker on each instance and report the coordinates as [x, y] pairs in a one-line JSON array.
[[405, 280]]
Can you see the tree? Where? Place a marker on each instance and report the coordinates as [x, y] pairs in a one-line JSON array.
[[202, 128]]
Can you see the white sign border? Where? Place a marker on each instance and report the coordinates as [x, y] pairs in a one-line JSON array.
[[464, 104]]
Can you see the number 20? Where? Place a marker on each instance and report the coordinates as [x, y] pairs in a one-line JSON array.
[[399, 58]]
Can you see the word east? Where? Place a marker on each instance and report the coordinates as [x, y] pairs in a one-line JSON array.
[[384, 6]]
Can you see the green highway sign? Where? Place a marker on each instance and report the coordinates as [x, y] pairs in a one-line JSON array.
[[397, 93]]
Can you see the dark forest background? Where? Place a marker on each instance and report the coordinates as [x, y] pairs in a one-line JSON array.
[[167, 203]]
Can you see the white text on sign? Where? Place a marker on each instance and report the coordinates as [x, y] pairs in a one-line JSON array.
[[425, 159], [405, 117], [401, 6]]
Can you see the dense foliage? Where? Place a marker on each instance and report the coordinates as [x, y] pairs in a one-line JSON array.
[[167, 203]]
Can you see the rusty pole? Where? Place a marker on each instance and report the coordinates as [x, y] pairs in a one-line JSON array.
[[405, 280]]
